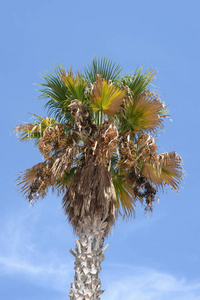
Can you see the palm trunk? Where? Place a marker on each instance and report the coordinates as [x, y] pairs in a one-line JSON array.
[[89, 254]]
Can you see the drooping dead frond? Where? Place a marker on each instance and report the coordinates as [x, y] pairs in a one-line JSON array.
[[24, 127], [132, 155], [27, 177], [146, 148], [35, 181], [91, 192], [82, 117], [166, 171], [143, 139], [143, 189], [106, 141], [128, 154], [106, 97], [65, 160]]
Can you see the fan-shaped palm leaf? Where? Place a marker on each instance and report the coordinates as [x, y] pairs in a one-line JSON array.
[[144, 113], [166, 171], [105, 67], [75, 84], [138, 82], [58, 93], [106, 97]]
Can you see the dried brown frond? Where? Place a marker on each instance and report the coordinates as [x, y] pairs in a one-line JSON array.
[[143, 139], [91, 192], [65, 160], [82, 117], [106, 141], [24, 127], [27, 177], [128, 154], [53, 138], [166, 171], [35, 181], [132, 155], [143, 189], [127, 161], [146, 148]]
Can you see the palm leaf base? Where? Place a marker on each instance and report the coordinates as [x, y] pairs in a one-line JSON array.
[[89, 254]]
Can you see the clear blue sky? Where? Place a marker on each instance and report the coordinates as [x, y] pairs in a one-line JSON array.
[[154, 258]]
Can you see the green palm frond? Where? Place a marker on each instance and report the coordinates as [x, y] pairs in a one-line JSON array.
[[144, 113], [103, 66], [139, 82], [32, 132], [75, 84], [58, 93], [124, 193]]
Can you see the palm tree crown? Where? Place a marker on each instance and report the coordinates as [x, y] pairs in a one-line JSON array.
[[98, 145]]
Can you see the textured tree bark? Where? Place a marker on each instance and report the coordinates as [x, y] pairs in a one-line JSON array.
[[89, 254]]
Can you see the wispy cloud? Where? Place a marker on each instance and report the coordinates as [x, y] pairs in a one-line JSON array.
[[51, 275], [148, 284], [123, 282], [21, 258]]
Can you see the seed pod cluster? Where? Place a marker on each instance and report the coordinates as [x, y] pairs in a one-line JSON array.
[[53, 138]]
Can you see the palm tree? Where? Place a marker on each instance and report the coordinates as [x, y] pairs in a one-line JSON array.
[[100, 152]]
